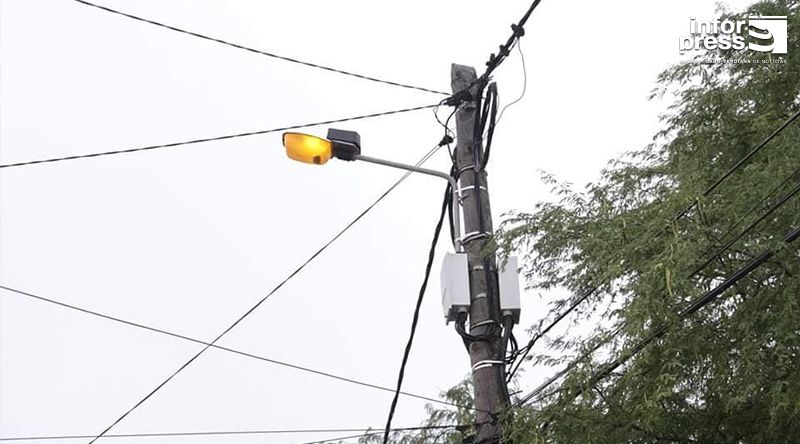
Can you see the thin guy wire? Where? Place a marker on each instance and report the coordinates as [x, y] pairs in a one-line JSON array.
[[257, 51], [225, 433], [223, 348], [524, 84], [213, 139]]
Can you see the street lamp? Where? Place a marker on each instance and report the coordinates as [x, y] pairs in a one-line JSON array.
[[346, 145]]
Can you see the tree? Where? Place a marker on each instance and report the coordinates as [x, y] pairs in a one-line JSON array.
[[727, 373]]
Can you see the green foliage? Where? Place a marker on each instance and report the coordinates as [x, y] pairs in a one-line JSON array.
[[458, 395], [728, 373]]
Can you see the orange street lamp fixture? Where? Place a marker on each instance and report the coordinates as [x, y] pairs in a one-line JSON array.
[[346, 145]]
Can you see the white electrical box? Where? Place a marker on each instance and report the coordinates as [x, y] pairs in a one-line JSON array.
[[455, 285], [509, 288]]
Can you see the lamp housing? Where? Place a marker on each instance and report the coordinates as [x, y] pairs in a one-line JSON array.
[[346, 144]]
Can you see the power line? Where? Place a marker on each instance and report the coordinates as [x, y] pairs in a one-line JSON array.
[[699, 303], [677, 217], [527, 349], [223, 348], [748, 156], [415, 318], [217, 138], [229, 433], [770, 209], [517, 31], [258, 304], [542, 387], [257, 51], [692, 308]]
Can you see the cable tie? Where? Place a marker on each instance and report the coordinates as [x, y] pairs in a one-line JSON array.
[[519, 31], [480, 296]]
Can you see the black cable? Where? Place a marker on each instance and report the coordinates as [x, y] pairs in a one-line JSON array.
[[491, 117], [431, 253], [699, 303], [770, 209], [468, 337], [518, 31], [256, 51], [212, 139], [226, 349], [526, 350], [677, 217], [742, 161], [254, 307], [229, 433], [449, 136], [542, 387], [692, 308]]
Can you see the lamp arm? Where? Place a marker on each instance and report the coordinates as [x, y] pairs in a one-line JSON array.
[[429, 172]]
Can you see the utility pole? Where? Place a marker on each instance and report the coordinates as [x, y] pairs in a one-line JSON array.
[[486, 357]]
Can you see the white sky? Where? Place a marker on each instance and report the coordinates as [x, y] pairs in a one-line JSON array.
[[187, 239]]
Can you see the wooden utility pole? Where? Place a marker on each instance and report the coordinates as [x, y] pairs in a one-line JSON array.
[[488, 370]]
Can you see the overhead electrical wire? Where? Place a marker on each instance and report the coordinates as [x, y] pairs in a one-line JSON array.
[[646, 235], [692, 308], [415, 319], [258, 51], [254, 307], [574, 363], [223, 348], [517, 31], [523, 353], [767, 212], [699, 303], [746, 158], [214, 139], [363, 430]]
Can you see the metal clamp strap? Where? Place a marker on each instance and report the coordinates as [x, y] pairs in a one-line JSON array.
[[467, 167], [485, 364], [482, 323], [471, 187], [475, 235]]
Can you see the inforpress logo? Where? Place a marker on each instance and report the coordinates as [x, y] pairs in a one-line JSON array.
[[757, 33], [772, 30]]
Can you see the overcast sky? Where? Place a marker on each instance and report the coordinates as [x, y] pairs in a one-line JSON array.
[[187, 239]]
